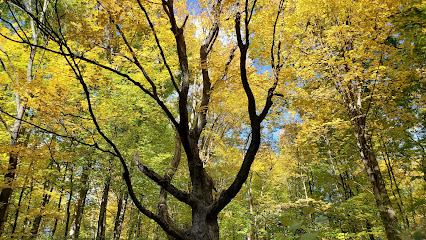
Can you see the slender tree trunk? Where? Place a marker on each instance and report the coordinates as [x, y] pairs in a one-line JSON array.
[[26, 220], [333, 166], [251, 234], [392, 178], [55, 225], [310, 182], [15, 222], [79, 209], [423, 154], [387, 214], [68, 210], [347, 177], [138, 231], [131, 230], [121, 210], [100, 233]]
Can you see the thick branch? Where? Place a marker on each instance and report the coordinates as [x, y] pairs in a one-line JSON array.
[[227, 195], [183, 128], [243, 71], [205, 48], [162, 181], [183, 63]]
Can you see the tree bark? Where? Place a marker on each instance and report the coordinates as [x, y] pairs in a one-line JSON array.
[[15, 222], [68, 211], [119, 218], [387, 214], [100, 233], [55, 225], [79, 209]]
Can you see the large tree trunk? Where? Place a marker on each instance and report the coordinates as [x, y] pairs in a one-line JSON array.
[[100, 233], [387, 214], [204, 224], [79, 209], [203, 227], [121, 210]]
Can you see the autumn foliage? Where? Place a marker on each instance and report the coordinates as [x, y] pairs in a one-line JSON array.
[[278, 119]]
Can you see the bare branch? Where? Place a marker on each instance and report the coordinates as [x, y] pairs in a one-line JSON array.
[[243, 71], [273, 65]]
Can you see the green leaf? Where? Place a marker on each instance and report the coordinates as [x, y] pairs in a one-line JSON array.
[[285, 221], [296, 226], [309, 236], [417, 235]]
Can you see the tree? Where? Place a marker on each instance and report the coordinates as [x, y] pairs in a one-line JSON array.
[[102, 38], [350, 60]]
